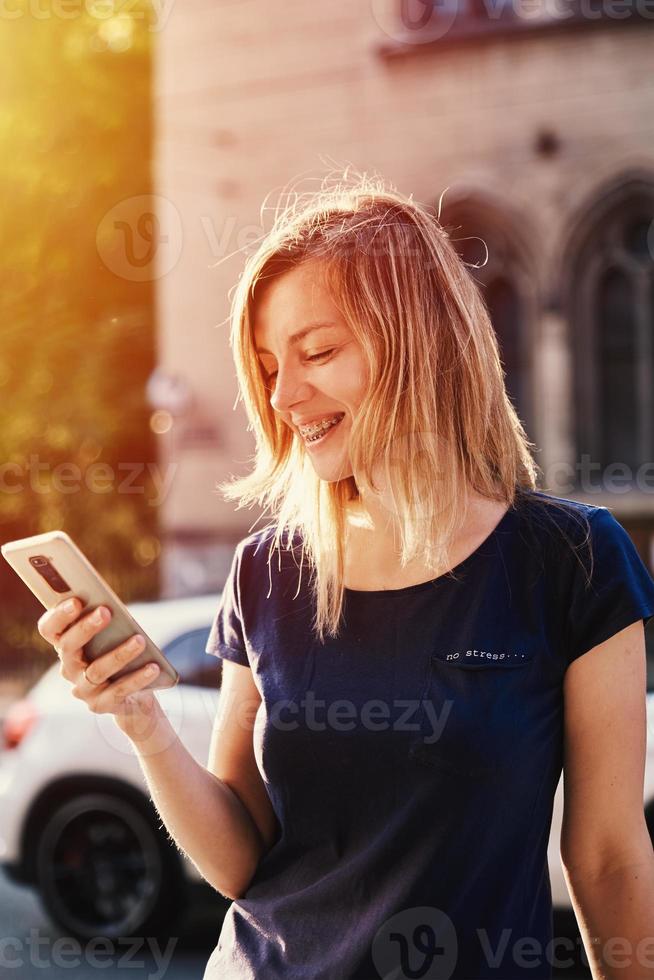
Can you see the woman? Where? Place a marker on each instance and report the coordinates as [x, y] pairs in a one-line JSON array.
[[399, 684]]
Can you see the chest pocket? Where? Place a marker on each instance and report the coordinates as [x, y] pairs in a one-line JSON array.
[[476, 710], [478, 659]]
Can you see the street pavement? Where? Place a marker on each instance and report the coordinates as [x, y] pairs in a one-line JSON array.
[[29, 942]]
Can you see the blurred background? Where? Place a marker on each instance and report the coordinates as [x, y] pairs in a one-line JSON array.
[[144, 146]]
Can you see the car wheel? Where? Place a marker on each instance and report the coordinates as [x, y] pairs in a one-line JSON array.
[[103, 869]]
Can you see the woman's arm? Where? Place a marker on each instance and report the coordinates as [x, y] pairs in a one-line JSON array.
[[205, 818], [615, 914], [605, 845]]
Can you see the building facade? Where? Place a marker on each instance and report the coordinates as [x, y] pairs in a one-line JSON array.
[[529, 124]]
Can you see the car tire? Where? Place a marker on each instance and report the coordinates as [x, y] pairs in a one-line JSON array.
[[104, 869]]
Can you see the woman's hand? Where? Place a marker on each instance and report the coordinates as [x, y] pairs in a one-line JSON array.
[[92, 681]]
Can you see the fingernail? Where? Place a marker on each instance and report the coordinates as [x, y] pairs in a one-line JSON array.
[[69, 605], [151, 669]]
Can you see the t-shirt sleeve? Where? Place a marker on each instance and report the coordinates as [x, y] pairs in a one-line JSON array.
[[226, 637], [621, 589]]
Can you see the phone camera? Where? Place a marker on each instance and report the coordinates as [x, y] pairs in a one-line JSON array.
[[49, 573]]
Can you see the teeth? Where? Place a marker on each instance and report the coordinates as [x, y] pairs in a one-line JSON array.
[[310, 430]]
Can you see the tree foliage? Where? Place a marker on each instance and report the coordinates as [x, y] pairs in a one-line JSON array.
[[77, 338]]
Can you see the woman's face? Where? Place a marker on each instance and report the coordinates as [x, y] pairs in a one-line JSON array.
[[315, 377]]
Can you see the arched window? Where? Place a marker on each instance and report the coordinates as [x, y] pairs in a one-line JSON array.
[[506, 286], [611, 302]]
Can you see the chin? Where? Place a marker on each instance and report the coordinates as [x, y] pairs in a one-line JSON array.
[[332, 472], [333, 465]]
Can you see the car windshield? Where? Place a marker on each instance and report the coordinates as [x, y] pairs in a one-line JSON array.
[[187, 655]]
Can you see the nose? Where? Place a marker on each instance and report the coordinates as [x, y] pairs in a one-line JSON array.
[[287, 388]]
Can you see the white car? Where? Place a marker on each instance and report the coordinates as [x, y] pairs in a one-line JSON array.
[[76, 820]]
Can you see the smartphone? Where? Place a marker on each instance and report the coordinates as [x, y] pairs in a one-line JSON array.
[[54, 568]]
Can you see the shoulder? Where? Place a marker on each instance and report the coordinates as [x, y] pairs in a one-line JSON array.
[[259, 545], [254, 542], [536, 505], [587, 529], [268, 567], [559, 525], [566, 542], [601, 579]]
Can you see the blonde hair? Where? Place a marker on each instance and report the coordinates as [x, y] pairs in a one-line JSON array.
[[436, 398]]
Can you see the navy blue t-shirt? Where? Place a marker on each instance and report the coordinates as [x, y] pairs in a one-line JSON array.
[[412, 762]]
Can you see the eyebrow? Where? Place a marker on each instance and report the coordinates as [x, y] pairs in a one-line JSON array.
[[301, 334]]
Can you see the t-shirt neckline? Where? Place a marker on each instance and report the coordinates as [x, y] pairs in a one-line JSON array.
[[479, 551]]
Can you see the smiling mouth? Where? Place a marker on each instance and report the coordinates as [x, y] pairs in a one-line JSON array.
[[322, 436]]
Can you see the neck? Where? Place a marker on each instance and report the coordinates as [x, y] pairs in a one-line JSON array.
[[371, 519]]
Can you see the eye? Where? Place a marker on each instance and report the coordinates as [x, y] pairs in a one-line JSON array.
[[325, 353], [314, 357]]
